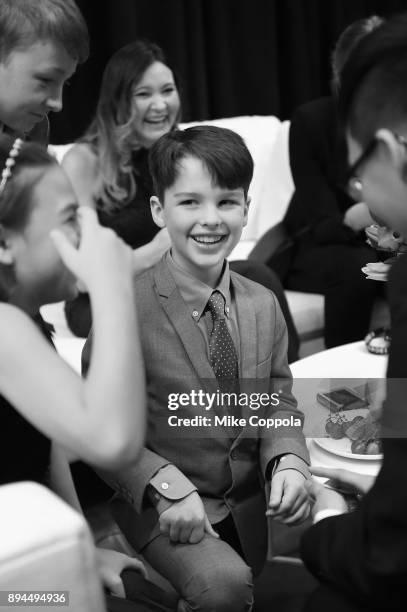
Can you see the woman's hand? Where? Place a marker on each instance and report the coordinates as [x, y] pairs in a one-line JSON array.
[[357, 217], [110, 565]]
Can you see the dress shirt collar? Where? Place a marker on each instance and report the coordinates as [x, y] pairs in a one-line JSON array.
[[195, 293]]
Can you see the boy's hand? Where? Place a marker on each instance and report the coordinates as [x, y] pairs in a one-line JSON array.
[[324, 499], [353, 482], [111, 564], [186, 521], [289, 502]]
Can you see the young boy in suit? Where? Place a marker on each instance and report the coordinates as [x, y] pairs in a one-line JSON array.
[[195, 502], [41, 43]]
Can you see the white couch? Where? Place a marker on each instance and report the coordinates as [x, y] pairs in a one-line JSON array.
[[270, 191], [46, 546]]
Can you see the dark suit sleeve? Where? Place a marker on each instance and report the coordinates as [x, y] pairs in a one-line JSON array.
[[315, 192], [365, 553]]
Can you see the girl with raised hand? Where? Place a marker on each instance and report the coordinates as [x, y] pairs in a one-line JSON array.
[[46, 245], [48, 413]]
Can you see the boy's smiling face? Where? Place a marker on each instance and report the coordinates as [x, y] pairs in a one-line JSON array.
[[204, 221]]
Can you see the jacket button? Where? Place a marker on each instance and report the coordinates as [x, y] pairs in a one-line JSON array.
[[165, 485], [233, 455]]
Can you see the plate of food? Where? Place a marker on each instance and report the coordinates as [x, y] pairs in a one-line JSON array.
[[355, 436]]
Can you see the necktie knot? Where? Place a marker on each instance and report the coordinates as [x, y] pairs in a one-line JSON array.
[[216, 305]]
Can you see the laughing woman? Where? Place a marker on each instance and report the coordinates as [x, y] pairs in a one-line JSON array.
[[139, 102]]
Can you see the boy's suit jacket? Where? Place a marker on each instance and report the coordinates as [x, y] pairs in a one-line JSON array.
[[174, 348]]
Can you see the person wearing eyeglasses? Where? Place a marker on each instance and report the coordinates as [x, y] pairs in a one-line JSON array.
[[360, 557], [326, 217]]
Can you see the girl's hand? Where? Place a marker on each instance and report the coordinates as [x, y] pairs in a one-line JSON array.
[[111, 564], [162, 240], [101, 259]]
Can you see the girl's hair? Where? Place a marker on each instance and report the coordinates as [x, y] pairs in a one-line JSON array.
[[15, 198], [16, 201], [111, 132]]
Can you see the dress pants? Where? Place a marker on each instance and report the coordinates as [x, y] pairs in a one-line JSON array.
[[210, 576], [142, 596]]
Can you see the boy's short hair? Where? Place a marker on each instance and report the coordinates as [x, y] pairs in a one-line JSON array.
[[346, 42], [25, 22], [222, 151], [373, 91]]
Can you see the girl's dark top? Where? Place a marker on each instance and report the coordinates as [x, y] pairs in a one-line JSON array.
[[133, 222], [24, 451]]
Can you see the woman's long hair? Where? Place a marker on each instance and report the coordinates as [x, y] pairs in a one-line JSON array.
[[111, 133]]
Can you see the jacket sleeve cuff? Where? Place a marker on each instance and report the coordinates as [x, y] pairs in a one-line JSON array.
[[321, 514], [168, 485], [288, 462]]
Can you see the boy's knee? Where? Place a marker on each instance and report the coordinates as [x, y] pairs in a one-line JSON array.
[[220, 588]]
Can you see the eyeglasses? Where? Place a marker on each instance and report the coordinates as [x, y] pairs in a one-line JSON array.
[[353, 180]]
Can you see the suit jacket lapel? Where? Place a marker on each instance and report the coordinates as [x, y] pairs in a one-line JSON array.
[[248, 346], [184, 325], [247, 330]]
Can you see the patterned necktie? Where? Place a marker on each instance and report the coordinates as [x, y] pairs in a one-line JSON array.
[[221, 348], [224, 362]]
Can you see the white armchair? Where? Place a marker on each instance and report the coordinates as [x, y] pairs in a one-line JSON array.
[[46, 546]]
